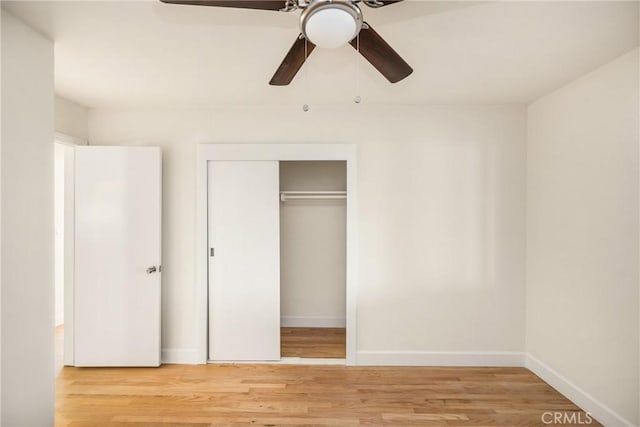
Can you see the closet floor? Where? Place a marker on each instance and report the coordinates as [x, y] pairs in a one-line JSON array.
[[329, 343]]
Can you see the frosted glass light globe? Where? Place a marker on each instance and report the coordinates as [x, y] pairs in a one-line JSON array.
[[331, 27]]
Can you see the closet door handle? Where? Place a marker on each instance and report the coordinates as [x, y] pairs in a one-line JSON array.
[[152, 269]]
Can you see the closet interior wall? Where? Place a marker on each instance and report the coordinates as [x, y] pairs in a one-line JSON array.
[[313, 246]]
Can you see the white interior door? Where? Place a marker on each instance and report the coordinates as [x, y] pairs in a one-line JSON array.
[[244, 271], [117, 248]]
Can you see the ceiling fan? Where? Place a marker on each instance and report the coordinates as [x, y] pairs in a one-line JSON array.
[[325, 23]]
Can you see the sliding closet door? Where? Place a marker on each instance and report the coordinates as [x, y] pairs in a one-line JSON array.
[[244, 260]]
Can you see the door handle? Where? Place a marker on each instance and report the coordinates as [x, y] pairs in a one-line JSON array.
[[152, 269]]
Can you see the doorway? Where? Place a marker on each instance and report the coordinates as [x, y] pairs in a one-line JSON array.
[[234, 318], [63, 247], [313, 259], [59, 169]]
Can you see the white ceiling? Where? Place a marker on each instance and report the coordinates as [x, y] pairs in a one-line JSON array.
[[145, 53]]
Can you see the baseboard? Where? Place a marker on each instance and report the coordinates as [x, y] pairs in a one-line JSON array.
[[180, 356], [312, 322], [441, 358], [283, 361], [581, 398]]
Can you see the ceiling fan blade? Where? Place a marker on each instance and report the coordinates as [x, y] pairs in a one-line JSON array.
[[292, 62], [380, 3], [242, 4], [381, 55]]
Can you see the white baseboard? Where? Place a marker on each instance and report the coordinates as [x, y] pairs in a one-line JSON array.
[[441, 358], [581, 398], [312, 322], [282, 361], [180, 356]]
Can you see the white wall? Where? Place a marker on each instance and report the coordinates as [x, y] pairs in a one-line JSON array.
[[313, 269], [71, 118], [582, 236], [441, 215], [27, 226]]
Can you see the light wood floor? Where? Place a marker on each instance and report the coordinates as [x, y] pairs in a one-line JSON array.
[[329, 343], [285, 395]]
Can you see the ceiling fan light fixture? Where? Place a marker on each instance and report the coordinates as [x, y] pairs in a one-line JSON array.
[[331, 24]]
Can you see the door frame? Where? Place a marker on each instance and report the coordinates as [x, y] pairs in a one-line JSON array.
[[69, 143], [277, 152]]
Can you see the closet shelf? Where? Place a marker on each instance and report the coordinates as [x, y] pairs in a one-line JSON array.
[[310, 195]]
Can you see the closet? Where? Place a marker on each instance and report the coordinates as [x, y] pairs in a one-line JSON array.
[[277, 259], [313, 258]]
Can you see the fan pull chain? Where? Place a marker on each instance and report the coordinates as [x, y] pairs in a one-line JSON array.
[[305, 107], [357, 99]]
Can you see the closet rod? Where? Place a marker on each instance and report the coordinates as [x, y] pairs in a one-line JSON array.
[[313, 192], [318, 195]]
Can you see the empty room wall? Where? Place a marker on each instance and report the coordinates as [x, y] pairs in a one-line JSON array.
[[582, 239], [27, 226], [441, 219], [313, 247]]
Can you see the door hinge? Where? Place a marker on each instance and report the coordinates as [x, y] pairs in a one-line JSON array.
[[211, 252]]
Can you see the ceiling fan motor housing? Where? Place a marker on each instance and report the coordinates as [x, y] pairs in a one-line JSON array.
[[331, 23]]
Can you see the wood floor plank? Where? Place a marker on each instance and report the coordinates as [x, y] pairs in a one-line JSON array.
[[286, 395], [328, 343]]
